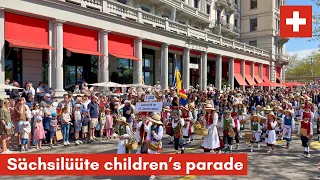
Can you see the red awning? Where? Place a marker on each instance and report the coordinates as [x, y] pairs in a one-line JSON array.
[[240, 79], [23, 44], [26, 32], [258, 79], [125, 56], [280, 80], [81, 51], [250, 80], [265, 79]]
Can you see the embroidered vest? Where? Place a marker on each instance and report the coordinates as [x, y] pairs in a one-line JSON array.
[[306, 125], [156, 129], [287, 121], [254, 126], [269, 127], [122, 130], [227, 123]]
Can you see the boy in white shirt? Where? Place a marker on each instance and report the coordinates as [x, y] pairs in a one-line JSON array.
[[25, 138]]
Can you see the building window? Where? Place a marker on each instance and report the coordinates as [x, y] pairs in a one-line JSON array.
[[235, 22], [228, 19], [145, 9], [236, 2], [278, 24], [123, 1], [253, 24], [253, 43], [208, 9], [278, 4], [196, 4], [148, 66], [124, 64], [253, 4], [218, 16]]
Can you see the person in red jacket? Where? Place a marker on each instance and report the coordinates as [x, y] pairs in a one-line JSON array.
[[236, 129], [305, 131]]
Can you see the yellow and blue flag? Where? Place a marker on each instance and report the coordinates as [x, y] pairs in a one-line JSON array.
[[178, 85]]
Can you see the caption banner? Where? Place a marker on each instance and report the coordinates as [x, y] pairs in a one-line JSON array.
[[123, 165]]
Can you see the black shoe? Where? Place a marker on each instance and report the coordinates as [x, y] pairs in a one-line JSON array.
[[182, 151], [287, 147], [170, 142]]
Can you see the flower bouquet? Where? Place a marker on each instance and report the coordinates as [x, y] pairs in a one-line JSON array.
[[154, 147]]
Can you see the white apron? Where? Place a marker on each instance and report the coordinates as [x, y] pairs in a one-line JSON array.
[[185, 130], [257, 135], [211, 141], [286, 133], [122, 147], [272, 137]]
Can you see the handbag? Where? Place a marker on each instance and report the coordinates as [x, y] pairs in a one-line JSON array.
[[59, 135]]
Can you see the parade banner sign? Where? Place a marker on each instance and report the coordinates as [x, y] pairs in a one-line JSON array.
[[123, 165], [149, 107], [149, 97]]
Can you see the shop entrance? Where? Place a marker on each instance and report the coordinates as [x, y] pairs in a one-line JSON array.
[[79, 68]]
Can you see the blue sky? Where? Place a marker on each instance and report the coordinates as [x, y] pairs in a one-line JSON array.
[[302, 46]]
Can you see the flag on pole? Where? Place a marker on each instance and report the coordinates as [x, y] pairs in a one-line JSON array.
[[178, 85]]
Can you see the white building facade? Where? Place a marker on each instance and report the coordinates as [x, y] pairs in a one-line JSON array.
[[64, 42]]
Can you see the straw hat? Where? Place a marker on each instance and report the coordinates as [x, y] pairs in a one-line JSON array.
[[207, 102], [123, 120], [271, 114], [289, 111], [167, 108], [255, 116], [209, 107], [267, 108], [184, 108], [156, 119]]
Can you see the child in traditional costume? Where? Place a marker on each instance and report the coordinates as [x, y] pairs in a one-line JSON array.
[[280, 116], [242, 112], [187, 116], [194, 112], [236, 129], [305, 131], [210, 120], [317, 119], [255, 128], [228, 133], [167, 120], [298, 112], [124, 134], [177, 125], [143, 127], [155, 136], [307, 108], [271, 136], [287, 126]]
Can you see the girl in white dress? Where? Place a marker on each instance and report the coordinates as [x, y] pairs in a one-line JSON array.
[[256, 129], [271, 136], [287, 126]]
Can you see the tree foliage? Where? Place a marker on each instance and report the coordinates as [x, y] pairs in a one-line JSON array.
[[316, 22], [304, 67]]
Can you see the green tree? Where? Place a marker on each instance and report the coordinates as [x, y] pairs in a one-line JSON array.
[[304, 67]]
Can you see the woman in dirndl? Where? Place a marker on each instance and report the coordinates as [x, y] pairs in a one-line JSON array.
[[155, 136], [255, 128], [287, 126], [271, 136]]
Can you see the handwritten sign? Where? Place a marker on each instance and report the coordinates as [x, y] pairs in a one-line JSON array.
[[149, 107], [149, 98]]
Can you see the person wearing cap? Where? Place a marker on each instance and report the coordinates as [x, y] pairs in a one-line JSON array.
[[236, 129], [271, 136], [53, 128], [77, 123], [256, 130], [127, 112], [124, 134], [93, 108], [177, 125], [45, 99], [85, 125], [305, 131], [39, 133], [227, 126], [287, 126], [25, 137], [210, 121], [143, 127]]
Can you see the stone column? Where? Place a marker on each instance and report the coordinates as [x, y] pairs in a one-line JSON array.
[[218, 72], [164, 68], [50, 55], [252, 70], [104, 60], [137, 65], [243, 71], [58, 60], [204, 70], [2, 54], [272, 72], [231, 73], [260, 70], [186, 68], [283, 72]]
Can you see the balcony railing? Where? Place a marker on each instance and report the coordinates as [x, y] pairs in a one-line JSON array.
[[133, 14], [228, 26]]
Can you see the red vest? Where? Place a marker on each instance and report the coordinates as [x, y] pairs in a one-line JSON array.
[[209, 119], [269, 127], [306, 125], [142, 133]]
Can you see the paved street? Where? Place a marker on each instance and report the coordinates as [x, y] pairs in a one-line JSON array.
[[281, 164]]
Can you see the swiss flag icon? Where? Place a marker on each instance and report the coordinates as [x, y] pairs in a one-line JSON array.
[[296, 21]]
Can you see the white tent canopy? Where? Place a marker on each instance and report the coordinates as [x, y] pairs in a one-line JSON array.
[[140, 85], [108, 84], [4, 86]]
